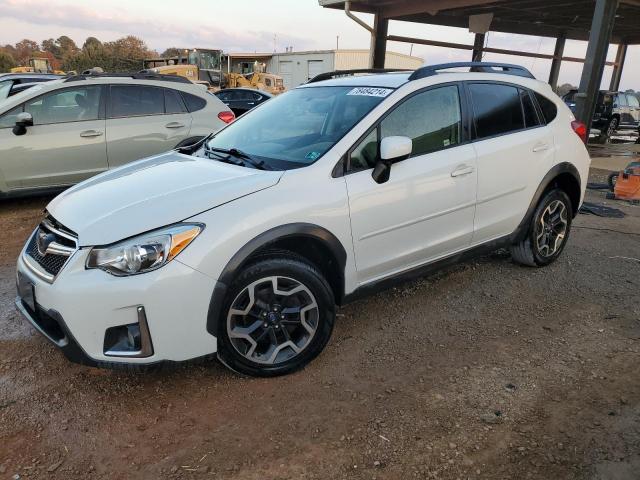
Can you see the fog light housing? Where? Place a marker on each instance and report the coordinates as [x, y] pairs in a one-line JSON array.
[[131, 340]]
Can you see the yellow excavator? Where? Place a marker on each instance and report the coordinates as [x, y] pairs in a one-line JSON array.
[[37, 65], [205, 67]]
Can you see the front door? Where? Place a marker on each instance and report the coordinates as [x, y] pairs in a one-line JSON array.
[[144, 121], [65, 145], [426, 208]]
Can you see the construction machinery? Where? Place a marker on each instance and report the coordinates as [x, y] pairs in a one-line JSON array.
[[37, 65], [205, 67]]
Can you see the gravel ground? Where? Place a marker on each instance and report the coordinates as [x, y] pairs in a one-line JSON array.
[[485, 370]]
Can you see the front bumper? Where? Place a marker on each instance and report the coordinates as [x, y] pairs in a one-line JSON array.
[[75, 310]]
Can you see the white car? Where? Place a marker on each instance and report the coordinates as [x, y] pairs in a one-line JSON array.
[[324, 194], [58, 133]]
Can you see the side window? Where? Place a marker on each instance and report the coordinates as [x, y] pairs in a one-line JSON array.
[[365, 155], [69, 105], [432, 119], [530, 115], [497, 109], [193, 102], [8, 120], [621, 100], [633, 101], [549, 109], [135, 101], [5, 88], [267, 82], [173, 102]]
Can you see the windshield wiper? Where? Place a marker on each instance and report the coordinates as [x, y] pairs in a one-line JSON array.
[[244, 157]]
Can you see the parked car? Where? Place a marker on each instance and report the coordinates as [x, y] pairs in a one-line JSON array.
[[614, 111], [58, 133], [12, 83], [325, 194], [241, 100]]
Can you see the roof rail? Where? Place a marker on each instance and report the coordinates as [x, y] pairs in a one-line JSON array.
[[485, 67], [137, 76], [346, 73]]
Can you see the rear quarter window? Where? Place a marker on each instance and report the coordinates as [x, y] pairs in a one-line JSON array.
[[193, 102], [547, 107]]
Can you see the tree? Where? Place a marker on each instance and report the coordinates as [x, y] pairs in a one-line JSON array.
[[91, 43], [50, 46], [6, 61], [25, 49], [171, 52], [129, 47]]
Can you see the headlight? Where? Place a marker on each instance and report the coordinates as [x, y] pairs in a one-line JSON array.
[[144, 253]]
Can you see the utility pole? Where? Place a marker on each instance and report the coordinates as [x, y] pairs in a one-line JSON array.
[[337, 42]]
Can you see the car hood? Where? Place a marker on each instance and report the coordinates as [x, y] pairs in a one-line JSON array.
[[152, 193]]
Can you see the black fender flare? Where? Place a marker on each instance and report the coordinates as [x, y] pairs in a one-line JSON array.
[[271, 236], [564, 167]]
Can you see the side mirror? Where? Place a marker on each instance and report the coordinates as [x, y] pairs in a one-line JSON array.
[[23, 121], [392, 150]]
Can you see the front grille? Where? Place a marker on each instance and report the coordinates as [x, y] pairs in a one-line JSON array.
[[56, 236]]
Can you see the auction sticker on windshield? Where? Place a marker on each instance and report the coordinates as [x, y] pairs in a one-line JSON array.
[[370, 91]]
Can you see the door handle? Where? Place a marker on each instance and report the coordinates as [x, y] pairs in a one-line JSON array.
[[462, 170], [90, 133], [540, 147], [251, 103], [174, 125]]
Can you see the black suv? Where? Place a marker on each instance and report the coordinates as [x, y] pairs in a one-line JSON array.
[[614, 111]]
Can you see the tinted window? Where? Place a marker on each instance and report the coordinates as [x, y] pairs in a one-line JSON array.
[[135, 100], [621, 99], [497, 109], [193, 103], [549, 109], [431, 119], [173, 102], [70, 105], [633, 101], [530, 114], [9, 119]]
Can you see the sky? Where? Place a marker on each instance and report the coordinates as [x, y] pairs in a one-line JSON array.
[[262, 26]]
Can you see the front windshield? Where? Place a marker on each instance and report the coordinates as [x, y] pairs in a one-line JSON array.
[[296, 128]]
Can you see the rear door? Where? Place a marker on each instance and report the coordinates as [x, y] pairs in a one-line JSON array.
[[65, 145], [144, 120], [514, 148]]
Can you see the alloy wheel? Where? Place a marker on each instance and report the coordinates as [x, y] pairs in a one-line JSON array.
[[272, 320], [552, 228]]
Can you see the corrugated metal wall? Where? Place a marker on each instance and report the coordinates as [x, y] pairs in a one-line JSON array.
[[298, 67]]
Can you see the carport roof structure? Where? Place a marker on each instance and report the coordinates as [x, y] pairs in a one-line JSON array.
[[599, 22]]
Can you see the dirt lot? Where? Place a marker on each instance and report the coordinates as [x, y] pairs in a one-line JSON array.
[[486, 370]]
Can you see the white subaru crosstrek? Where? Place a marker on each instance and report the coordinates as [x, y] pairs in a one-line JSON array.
[[245, 244]]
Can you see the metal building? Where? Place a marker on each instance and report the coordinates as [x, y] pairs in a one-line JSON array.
[[296, 68], [600, 22]]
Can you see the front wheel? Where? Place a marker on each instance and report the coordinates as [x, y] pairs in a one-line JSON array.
[[278, 316], [548, 232]]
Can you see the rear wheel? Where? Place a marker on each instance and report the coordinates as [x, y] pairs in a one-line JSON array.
[[279, 315], [548, 233]]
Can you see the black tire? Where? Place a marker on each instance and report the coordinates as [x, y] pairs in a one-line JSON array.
[[611, 180], [527, 251], [287, 266]]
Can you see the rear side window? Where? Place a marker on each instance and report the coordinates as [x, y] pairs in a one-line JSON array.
[[173, 102], [497, 109], [530, 115], [633, 101], [135, 101], [193, 102], [549, 109]]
